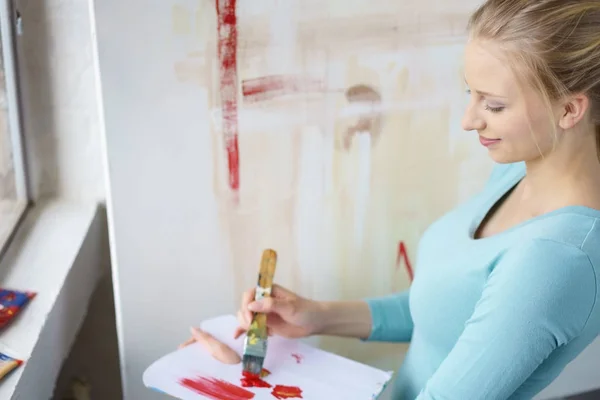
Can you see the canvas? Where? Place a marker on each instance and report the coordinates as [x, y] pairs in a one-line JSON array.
[[294, 370]]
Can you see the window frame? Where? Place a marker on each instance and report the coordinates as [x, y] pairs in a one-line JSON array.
[[8, 21]]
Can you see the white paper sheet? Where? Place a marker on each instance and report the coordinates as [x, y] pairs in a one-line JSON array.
[[319, 374]]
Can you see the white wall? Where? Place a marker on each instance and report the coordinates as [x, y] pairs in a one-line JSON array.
[[60, 100], [182, 238], [64, 155]]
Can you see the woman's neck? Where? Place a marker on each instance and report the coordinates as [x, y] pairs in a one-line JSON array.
[[561, 179]]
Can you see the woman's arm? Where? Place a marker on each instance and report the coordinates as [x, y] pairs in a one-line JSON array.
[[384, 318], [345, 318], [538, 298]]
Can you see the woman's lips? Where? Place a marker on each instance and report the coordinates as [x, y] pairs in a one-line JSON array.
[[487, 142]]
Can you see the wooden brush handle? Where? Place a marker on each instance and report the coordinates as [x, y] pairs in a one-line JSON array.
[[258, 327], [266, 273]]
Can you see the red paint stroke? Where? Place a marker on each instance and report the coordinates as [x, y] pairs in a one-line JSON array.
[[269, 87], [298, 358], [403, 254], [254, 380], [228, 82], [216, 389], [287, 392]]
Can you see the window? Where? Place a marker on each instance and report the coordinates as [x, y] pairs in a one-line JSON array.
[[13, 188]]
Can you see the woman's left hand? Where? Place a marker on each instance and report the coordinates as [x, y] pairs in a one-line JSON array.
[[215, 347]]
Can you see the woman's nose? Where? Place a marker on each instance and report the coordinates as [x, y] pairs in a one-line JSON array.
[[471, 121]]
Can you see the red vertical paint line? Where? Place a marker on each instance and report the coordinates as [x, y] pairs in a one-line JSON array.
[[228, 84], [403, 255]]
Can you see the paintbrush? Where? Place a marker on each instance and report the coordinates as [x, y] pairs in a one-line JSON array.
[[255, 344]]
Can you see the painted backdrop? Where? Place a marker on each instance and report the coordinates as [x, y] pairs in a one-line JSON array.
[[335, 134], [326, 130]]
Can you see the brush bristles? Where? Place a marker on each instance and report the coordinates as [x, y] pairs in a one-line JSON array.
[[253, 364]]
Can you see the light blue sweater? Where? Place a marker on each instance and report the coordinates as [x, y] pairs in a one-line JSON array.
[[500, 317]]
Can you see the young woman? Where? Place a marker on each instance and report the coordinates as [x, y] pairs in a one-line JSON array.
[[505, 292]]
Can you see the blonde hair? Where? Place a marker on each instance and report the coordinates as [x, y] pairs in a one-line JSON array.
[[556, 41]]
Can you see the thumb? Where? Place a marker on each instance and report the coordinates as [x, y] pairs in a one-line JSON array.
[[272, 305], [197, 334]]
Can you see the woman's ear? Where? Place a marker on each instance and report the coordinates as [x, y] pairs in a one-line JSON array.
[[573, 111]]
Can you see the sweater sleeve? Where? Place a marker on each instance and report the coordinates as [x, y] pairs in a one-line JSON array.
[[538, 297], [390, 318]]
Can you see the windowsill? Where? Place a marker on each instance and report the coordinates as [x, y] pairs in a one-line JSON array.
[[10, 214], [47, 255]]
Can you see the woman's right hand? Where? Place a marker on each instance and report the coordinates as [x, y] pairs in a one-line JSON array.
[[288, 314]]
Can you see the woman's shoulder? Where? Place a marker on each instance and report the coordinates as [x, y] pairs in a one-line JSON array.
[[555, 283], [559, 251], [571, 228]]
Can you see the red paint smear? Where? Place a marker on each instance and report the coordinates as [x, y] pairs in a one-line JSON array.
[[228, 82], [287, 392], [298, 358], [216, 389], [403, 254], [253, 380], [268, 87]]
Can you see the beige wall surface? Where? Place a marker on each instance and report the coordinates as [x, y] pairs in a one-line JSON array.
[[328, 131], [348, 133]]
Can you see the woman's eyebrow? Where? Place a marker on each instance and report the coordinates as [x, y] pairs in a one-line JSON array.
[[486, 93]]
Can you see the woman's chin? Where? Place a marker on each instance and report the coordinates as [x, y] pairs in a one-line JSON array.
[[501, 157]]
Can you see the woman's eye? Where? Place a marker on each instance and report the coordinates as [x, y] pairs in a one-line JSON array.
[[495, 109]]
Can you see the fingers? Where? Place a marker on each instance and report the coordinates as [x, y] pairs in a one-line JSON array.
[[283, 307], [280, 301], [280, 291], [196, 336], [186, 343], [242, 321], [239, 331], [246, 315], [215, 347]]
